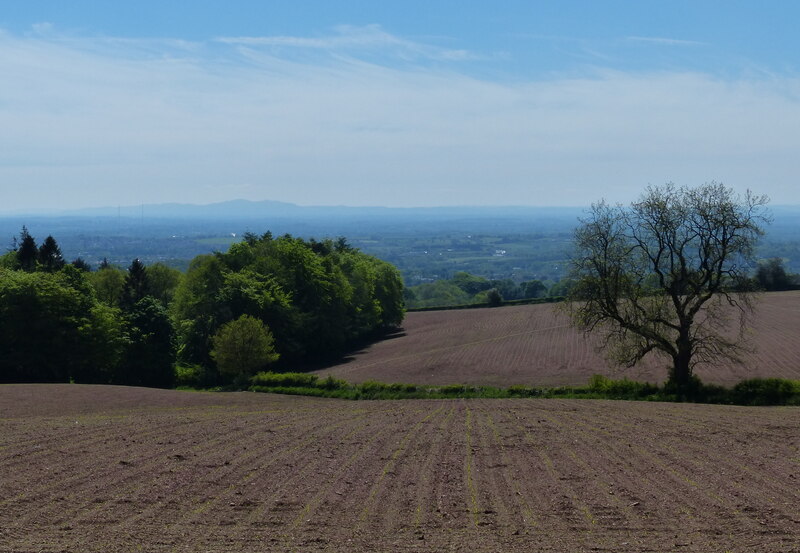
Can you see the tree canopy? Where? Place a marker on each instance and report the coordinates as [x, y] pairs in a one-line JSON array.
[[311, 300], [242, 347], [664, 274], [317, 298], [772, 275], [54, 330], [63, 323]]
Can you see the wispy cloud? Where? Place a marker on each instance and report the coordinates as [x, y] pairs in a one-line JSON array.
[[349, 38], [42, 28], [665, 41], [346, 36], [103, 121]]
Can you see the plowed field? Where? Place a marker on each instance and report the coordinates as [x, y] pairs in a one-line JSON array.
[[534, 345], [106, 469]]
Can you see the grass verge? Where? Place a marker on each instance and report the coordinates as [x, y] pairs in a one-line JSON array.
[[758, 391]]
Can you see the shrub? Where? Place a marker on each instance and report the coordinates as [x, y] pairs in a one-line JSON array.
[[619, 389], [290, 390], [494, 298], [767, 391], [372, 389], [272, 379], [192, 376], [453, 390], [521, 391], [331, 383]]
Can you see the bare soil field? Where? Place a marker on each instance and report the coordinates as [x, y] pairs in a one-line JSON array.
[[534, 345], [110, 469]]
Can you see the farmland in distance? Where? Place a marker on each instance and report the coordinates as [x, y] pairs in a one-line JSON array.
[[98, 468], [534, 345]]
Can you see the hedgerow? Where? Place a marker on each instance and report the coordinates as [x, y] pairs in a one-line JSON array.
[[769, 391]]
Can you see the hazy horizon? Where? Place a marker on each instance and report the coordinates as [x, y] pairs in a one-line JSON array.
[[133, 209]]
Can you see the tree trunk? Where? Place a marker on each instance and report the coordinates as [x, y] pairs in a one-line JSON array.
[[681, 373]]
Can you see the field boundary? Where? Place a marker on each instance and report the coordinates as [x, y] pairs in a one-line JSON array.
[[753, 392], [504, 303]]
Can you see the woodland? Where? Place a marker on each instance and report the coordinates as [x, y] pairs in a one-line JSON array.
[[150, 325]]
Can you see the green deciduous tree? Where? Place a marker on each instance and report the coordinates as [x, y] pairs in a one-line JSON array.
[[53, 329], [561, 288], [471, 284], [149, 359], [317, 297], [197, 308], [8, 260], [507, 288], [440, 293], [389, 293], [772, 275], [494, 298], [105, 343], [243, 347], [533, 289], [162, 281], [108, 284], [660, 275]]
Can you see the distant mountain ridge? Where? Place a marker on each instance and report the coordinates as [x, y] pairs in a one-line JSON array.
[[246, 209], [236, 208]]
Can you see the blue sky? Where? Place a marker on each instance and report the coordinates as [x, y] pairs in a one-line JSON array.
[[400, 104]]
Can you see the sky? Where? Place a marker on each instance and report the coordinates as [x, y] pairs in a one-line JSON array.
[[413, 103]]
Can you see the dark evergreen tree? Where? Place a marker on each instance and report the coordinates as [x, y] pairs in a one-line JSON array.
[[136, 286], [150, 356], [50, 258], [82, 265], [27, 251]]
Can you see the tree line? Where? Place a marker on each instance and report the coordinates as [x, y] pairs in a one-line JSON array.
[[285, 302], [464, 288]]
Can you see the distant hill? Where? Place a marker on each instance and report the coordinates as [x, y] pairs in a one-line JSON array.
[[222, 210], [245, 209]]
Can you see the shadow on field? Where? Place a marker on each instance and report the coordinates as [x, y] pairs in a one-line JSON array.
[[356, 348]]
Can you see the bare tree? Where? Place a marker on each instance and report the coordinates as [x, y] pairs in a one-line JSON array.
[[665, 274]]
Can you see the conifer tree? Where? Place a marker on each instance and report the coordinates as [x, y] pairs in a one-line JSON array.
[[27, 251], [49, 255], [136, 285], [81, 264]]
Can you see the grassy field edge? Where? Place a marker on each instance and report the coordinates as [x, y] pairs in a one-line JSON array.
[[757, 391]]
